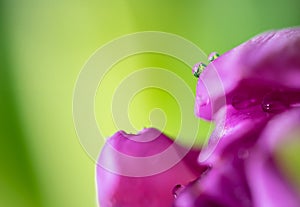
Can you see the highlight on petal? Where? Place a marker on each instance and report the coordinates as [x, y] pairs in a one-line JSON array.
[[118, 185], [264, 71]]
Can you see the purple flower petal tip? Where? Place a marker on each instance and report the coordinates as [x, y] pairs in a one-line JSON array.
[[135, 170]]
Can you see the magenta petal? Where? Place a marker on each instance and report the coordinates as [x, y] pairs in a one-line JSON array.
[[225, 185], [128, 182], [236, 131], [268, 62], [269, 186], [279, 129], [244, 170]]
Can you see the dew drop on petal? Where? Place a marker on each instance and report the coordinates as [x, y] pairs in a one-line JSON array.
[[177, 189], [203, 101], [212, 56], [198, 68], [274, 103]]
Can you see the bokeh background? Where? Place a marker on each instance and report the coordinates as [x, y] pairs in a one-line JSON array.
[[44, 45]]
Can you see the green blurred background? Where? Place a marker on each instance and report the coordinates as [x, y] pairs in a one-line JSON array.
[[44, 45]]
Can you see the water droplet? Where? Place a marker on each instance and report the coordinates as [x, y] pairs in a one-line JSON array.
[[198, 68], [177, 189], [274, 102], [242, 101], [203, 101], [212, 56]]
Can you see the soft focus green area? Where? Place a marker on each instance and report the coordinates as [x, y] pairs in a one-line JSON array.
[[44, 44], [287, 157]]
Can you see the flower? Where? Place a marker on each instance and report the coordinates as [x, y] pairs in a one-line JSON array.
[[259, 81], [126, 182], [252, 92]]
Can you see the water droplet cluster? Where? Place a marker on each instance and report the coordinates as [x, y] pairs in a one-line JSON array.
[[199, 67]]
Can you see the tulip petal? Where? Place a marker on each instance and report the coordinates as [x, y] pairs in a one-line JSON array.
[[225, 185], [236, 131], [269, 184], [118, 188], [244, 170], [268, 62]]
